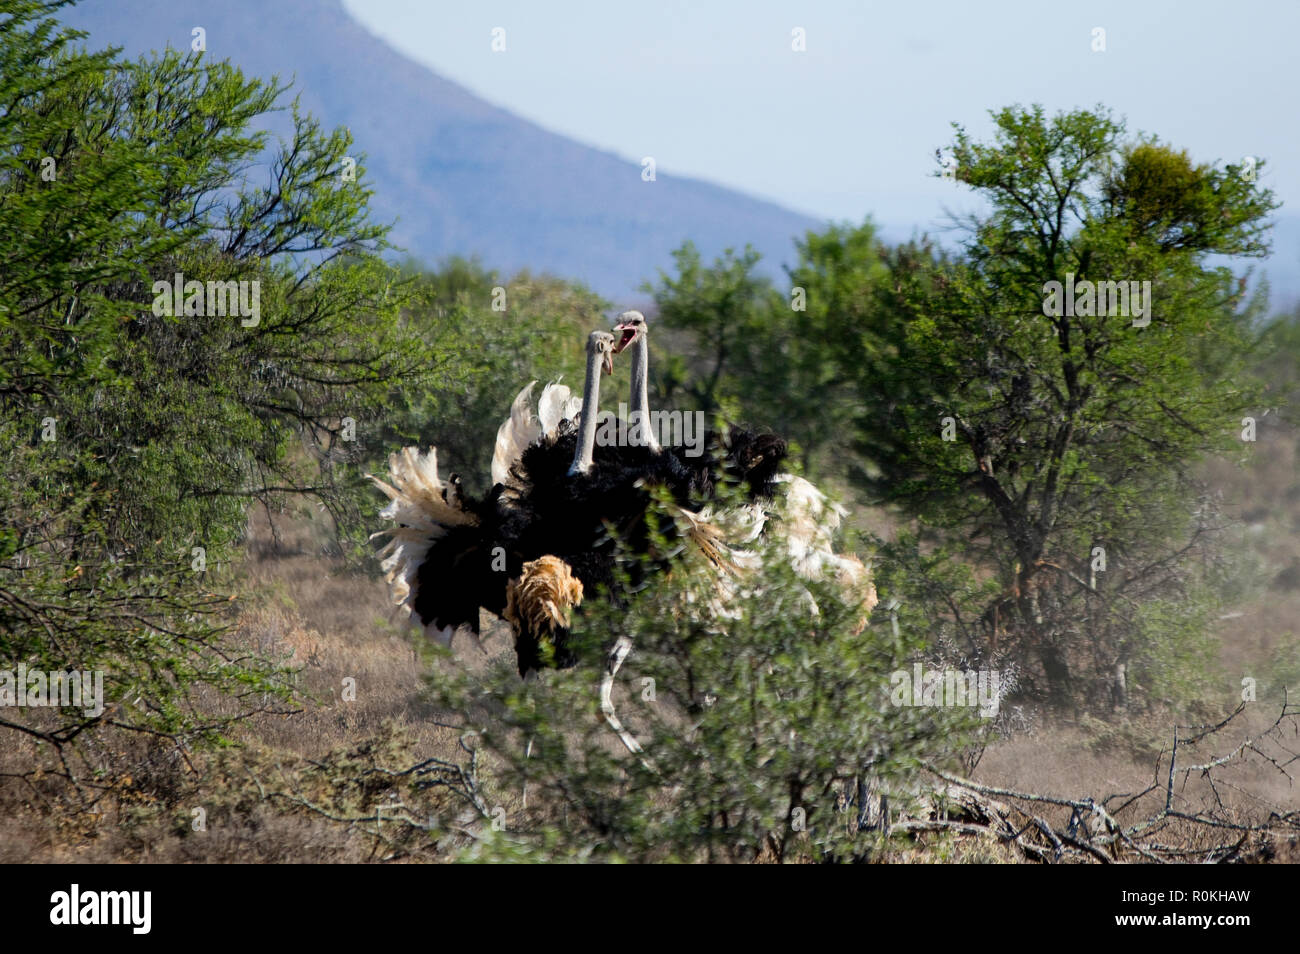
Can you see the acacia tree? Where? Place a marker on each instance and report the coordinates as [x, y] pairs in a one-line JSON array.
[[720, 310], [1052, 450], [132, 435], [810, 350]]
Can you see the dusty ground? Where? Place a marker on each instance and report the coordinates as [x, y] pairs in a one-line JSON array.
[[338, 624]]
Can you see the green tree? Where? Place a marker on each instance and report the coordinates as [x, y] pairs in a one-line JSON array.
[[763, 357], [811, 352], [721, 310], [1024, 437], [136, 435]]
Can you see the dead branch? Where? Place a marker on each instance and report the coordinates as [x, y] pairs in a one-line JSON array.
[[1092, 833]]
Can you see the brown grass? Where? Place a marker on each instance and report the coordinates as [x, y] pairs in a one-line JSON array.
[[336, 624]]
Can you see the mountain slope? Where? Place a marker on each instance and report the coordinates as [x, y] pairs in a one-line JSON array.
[[457, 175]]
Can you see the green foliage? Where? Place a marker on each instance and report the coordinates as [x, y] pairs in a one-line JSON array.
[[1034, 437], [782, 361], [811, 354], [134, 434], [1173, 650], [722, 311], [486, 356], [758, 715], [1282, 680]]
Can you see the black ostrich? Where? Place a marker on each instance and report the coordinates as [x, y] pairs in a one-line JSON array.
[[546, 536], [548, 533]]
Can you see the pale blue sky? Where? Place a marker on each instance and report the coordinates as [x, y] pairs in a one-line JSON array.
[[849, 127]]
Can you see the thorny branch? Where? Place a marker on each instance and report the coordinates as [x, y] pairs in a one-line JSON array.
[[1093, 832]]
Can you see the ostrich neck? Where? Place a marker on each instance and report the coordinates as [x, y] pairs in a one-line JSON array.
[[640, 408], [590, 407]]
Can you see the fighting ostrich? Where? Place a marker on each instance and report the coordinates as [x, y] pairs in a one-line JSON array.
[[512, 550], [576, 505], [530, 548], [807, 519], [547, 533]]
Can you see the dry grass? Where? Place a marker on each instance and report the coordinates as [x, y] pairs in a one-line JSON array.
[[337, 624]]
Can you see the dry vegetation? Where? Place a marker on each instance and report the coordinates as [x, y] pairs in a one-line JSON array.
[[301, 604], [323, 782], [1258, 639]]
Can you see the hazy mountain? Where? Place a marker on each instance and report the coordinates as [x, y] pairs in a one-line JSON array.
[[457, 174], [460, 176]]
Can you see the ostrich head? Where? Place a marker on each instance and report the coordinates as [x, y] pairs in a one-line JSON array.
[[600, 344], [632, 326]]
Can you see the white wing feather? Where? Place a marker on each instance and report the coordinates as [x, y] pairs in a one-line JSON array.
[[517, 431], [552, 408], [556, 405]]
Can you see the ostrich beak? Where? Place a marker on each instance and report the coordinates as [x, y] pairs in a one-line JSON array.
[[608, 366], [630, 332]]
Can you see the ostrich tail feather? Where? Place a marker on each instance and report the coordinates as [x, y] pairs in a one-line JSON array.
[[417, 497], [418, 506]]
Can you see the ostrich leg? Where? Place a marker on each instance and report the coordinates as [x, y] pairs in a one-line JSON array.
[[612, 666], [530, 675]]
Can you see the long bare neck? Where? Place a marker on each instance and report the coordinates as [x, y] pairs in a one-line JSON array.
[[640, 403], [590, 407]]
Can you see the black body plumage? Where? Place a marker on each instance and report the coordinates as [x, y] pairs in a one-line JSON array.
[[581, 519]]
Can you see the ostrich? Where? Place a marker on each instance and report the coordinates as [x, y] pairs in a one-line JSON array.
[[806, 519], [809, 520], [452, 553], [530, 548], [557, 523], [546, 535]]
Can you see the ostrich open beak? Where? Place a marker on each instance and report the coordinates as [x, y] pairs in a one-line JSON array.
[[630, 332]]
